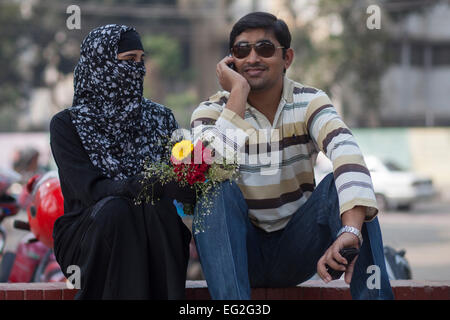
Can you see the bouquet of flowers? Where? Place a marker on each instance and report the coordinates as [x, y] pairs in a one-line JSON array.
[[189, 165]]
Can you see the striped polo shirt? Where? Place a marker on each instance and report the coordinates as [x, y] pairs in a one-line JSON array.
[[277, 160]]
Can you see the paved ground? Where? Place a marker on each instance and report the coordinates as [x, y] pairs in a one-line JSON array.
[[424, 232]]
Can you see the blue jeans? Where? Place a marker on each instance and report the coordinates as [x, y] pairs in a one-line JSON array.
[[236, 256]]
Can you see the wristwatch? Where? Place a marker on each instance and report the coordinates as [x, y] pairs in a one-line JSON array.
[[353, 230]]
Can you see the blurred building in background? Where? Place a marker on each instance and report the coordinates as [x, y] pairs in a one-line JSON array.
[[393, 76], [416, 87]]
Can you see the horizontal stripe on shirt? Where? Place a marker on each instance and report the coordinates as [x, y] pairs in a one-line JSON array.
[[281, 200]]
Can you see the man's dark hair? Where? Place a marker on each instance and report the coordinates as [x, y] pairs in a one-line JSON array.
[[262, 20]]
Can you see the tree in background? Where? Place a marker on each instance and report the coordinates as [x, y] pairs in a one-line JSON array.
[[167, 81], [363, 55], [163, 60], [11, 89], [351, 61], [38, 53], [33, 53]]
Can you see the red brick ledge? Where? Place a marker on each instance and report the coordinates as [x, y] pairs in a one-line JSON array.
[[335, 290], [36, 291], [197, 290]]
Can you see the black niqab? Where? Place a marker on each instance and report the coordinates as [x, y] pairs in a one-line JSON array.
[[129, 40], [115, 123]]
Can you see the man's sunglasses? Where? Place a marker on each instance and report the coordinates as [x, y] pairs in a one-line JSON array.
[[263, 48]]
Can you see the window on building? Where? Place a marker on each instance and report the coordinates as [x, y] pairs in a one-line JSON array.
[[441, 55], [417, 54]]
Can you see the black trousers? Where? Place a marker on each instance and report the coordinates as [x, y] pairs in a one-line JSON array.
[[125, 251]]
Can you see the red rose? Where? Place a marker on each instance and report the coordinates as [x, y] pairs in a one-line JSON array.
[[195, 170]]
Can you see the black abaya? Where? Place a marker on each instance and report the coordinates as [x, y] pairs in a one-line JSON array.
[[124, 251]]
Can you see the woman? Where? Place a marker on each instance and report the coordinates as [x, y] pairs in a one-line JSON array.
[[123, 250]]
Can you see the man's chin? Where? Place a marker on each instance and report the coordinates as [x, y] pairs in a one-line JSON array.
[[257, 85]]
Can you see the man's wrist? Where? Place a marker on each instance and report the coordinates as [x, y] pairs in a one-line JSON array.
[[241, 88], [352, 230], [238, 100], [354, 217]]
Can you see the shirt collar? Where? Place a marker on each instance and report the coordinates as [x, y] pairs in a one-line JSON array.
[[288, 90]]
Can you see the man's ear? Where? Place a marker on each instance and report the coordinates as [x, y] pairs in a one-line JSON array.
[[288, 58]]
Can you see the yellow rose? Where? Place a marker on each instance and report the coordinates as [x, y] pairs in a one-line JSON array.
[[182, 149]]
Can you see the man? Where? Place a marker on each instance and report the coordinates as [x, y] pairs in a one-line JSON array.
[[275, 227]]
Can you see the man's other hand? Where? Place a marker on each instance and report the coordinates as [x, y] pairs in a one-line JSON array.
[[336, 261]]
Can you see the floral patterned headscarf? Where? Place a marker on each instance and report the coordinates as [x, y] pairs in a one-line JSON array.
[[118, 128]]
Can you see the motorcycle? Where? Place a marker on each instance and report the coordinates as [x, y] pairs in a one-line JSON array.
[[34, 260], [8, 206], [397, 266]]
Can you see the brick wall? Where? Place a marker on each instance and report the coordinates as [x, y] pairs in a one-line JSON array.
[[197, 290]]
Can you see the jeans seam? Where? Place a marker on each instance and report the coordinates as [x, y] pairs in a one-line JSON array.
[[229, 247], [236, 283], [227, 243]]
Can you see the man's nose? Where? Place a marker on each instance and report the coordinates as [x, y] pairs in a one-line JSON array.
[[253, 56]]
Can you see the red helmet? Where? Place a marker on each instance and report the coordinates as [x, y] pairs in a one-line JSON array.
[[47, 205]]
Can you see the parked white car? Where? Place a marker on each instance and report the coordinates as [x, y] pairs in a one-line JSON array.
[[394, 187]]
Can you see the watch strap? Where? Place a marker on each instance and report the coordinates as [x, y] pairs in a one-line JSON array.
[[353, 230]]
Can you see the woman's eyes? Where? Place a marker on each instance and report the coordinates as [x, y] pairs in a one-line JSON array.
[[132, 58], [135, 59]]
